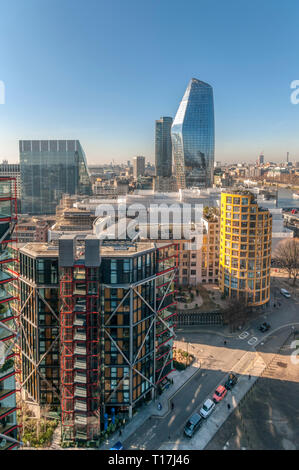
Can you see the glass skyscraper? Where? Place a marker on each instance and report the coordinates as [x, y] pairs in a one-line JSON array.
[[50, 168], [193, 137], [163, 147]]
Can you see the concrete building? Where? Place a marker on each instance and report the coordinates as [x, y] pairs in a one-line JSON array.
[[33, 229]]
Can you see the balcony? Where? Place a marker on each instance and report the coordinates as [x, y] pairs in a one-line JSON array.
[[80, 350], [80, 378], [6, 411], [80, 336], [80, 320], [6, 392], [78, 365], [80, 406], [80, 392], [80, 434], [5, 277], [79, 419]]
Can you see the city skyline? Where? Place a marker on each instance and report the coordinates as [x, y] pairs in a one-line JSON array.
[[251, 78]]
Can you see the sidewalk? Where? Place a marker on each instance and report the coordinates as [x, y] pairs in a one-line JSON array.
[[179, 380], [251, 363], [220, 330]]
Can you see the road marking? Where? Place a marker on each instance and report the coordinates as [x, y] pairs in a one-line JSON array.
[[244, 335], [252, 340]]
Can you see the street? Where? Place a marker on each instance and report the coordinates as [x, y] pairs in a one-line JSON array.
[[217, 360]]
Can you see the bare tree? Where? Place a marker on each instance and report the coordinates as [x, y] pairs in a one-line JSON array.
[[236, 313], [286, 256]]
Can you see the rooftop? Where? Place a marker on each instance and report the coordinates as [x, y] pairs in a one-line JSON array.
[[107, 248]]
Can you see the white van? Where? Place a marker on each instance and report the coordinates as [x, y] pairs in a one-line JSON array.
[[285, 293]]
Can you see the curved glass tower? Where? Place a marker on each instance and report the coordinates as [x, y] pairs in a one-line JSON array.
[[193, 137]]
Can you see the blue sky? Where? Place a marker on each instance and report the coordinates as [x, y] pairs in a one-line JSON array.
[[103, 71]]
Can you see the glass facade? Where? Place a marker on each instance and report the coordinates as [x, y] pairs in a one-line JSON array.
[[193, 137], [163, 147], [50, 168], [40, 328]]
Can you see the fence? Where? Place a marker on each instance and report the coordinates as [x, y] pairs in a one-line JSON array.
[[196, 318]]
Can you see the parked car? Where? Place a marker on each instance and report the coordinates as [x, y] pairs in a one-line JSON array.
[[231, 381], [207, 408], [264, 327], [285, 293], [117, 446], [192, 425], [219, 394]]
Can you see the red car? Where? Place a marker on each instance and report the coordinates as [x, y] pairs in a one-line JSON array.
[[219, 394]]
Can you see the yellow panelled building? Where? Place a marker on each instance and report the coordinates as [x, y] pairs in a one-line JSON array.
[[245, 248]]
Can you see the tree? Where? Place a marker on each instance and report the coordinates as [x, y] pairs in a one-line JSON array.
[[286, 256], [236, 313]]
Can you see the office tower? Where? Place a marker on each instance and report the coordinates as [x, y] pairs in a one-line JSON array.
[[138, 166], [245, 248], [117, 315], [9, 429], [261, 159], [50, 168], [163, 147], [11, 170], [193, 138]]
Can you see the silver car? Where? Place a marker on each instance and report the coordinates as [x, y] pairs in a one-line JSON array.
[[207, 408]]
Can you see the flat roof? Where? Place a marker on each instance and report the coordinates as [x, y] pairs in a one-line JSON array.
[[114, 249]]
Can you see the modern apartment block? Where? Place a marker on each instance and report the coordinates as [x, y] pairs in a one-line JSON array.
[[200, 265], [9, 429], [50, 168], [115, 309], [245, 248], [113, 360]]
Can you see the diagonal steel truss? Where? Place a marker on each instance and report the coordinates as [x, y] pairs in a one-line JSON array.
[[156, 316], [35, 291]]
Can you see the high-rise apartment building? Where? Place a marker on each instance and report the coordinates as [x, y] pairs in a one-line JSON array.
[[163, 147], [245, 248], [193, 138], [50, 168], [138, 166], [9, 429], [115, 307]]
